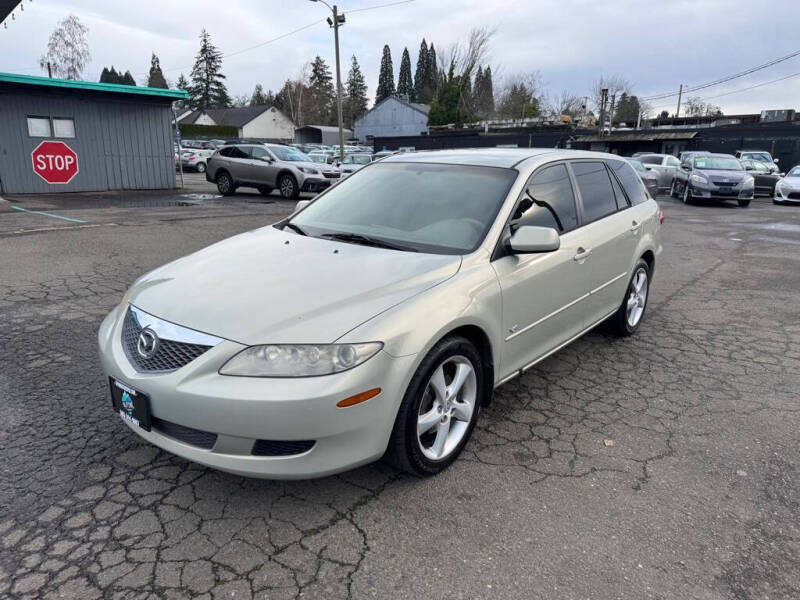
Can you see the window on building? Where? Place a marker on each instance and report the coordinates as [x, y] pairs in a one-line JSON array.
[[549, 201], [596, 191], [39, 126], [63, 128]]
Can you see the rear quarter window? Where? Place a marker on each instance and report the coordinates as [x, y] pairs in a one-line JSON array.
[[632, 183]]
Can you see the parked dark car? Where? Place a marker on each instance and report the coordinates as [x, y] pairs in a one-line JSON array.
[[713, 177], [765, 179]]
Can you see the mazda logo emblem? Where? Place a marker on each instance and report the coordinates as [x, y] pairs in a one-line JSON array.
[[147, 346]]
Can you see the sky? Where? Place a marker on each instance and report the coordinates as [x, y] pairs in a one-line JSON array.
[[654, 44]]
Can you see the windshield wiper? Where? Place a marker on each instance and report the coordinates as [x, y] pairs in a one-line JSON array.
[[364, 240], [294, 228]]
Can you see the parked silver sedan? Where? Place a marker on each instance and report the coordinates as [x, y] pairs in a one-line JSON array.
[[663, 165], [377, 320], [787, 190]]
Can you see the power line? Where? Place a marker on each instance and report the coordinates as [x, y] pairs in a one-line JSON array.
[[727, 78], [355, 10]]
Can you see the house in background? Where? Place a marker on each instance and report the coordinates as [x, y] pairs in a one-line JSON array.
[[392, 117], [252, 122]]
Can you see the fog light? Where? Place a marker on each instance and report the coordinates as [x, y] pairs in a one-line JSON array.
[[358, 398]]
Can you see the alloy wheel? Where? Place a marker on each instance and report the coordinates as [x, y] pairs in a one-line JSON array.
[[287, 187], [447, 407], [637, 297]]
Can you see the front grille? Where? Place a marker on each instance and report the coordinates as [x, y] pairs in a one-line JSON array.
[[279, 448], [793, 195], [725, 191], [331, 175], [169, 356], [187, 435]]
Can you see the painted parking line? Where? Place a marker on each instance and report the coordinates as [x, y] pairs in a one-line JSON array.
[[47, 214]]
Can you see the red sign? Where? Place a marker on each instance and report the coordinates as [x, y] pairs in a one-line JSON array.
[[55, 162]]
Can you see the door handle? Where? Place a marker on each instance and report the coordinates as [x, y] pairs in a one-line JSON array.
[[635, 226], [582, 254]]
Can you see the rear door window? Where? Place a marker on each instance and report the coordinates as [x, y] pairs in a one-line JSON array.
[[650, 160], [597, 195], [673, 162], [549, 200], [236, 152]]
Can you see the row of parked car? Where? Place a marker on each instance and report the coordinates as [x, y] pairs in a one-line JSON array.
[[699, 174]]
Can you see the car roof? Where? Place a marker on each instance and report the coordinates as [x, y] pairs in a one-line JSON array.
[[494, 157]]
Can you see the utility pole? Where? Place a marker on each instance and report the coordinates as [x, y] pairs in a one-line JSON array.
[[335, 23], [338, 82], [611, 113], [49, 70], [680, 94]]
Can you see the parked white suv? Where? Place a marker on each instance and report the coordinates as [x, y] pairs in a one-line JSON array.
[[266, 167]]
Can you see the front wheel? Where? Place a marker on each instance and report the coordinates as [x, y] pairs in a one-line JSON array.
[[744, 203], [673, 190], [687, 194], [629, 314], [201, 167], [288, 187], [225, 184], [439, 409]]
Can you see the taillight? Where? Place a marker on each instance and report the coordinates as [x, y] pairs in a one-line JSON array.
[[661, 217]]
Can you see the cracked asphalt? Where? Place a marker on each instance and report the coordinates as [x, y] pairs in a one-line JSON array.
[[660, 466]]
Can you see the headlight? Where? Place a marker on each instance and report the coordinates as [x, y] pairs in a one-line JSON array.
[[748, 181], [698, 179], [308, 170], [298, 360]]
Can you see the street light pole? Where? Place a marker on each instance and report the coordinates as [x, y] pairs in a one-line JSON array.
[[337, 20]]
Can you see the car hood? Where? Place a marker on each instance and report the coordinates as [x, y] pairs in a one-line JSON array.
[[792, 181], [723, 174], [271, 286]]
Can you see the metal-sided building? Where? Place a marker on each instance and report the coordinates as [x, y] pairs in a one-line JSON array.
[[115, 137]]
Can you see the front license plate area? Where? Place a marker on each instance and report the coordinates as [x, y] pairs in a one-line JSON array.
[[132, 405]]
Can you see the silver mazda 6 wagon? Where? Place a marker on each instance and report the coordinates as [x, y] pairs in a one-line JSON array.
[[378, 318]]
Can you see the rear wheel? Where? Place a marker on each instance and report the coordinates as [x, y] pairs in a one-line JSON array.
[[201, 167], [744, 203], [439, 409], [629, 314], [225, 184], [288, 187]]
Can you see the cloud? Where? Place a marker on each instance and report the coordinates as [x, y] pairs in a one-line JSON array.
[[655, 45]]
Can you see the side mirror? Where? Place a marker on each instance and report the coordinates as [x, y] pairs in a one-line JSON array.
[[685, 167], [775, 160], [301, 204], [529, 239]]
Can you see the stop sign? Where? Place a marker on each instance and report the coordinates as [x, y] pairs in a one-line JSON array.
[[55, 162]]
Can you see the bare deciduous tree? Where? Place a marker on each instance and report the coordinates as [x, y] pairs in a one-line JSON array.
[[616, 86], [695, 107], [565, 103], [67, 50], [520, 96]]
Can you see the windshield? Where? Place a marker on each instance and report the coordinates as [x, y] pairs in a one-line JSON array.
[[637, 165], [795, 172], [763, 157], [317, 158], [721, 163], [443, 209], [357, 159], [290, 154]]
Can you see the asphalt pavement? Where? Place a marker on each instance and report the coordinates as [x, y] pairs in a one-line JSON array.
[[665, 465]]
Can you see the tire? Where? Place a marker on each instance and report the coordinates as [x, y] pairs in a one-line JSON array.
[[687, 196], [201, 167], [421, 454], [225, 184], [673, 190], [744, 203], [622, 323], [287, 185], [265, 190]]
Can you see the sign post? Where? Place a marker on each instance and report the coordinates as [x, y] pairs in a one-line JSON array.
[[55, 162]]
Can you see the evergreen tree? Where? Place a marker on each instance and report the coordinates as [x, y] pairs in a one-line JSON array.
[[405, 86], [421, 74], [385, 77], [182, 84], [355, 103], [207, 89], [432, 76], [127, 79], [258, 98], [113, 76], [106, 77], [483, 93], [321, 102], [156, 77]]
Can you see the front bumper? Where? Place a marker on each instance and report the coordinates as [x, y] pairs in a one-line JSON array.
[[242, 410], [315, 185], [783, 194], [714, 192]]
